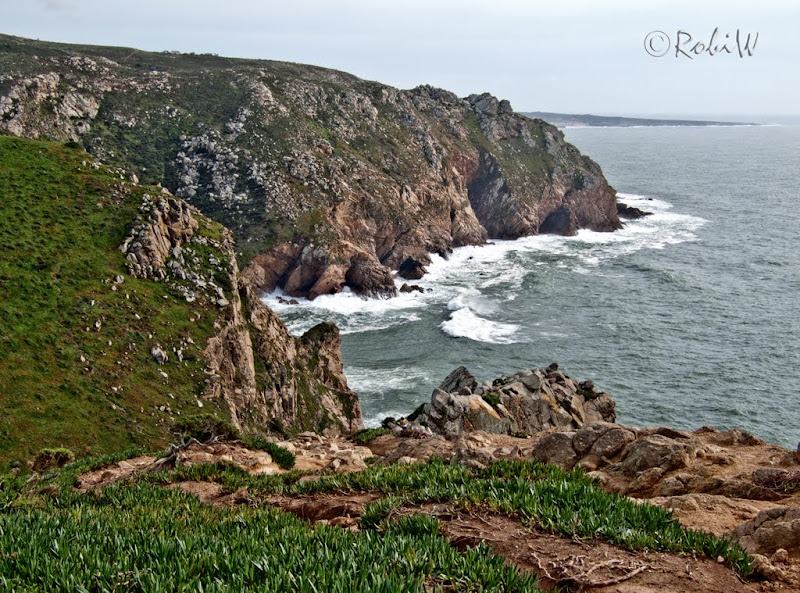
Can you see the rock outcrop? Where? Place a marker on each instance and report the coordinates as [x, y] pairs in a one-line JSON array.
[[325, 180], [525, 403], [269, 379], [631, 212], [771, 530]]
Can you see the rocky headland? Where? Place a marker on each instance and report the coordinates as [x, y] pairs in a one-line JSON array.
[[325, 180]]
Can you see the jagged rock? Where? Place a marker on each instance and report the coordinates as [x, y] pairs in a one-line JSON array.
[[485, 103], [164, 223], [630, 212], [600, 408], [411, 269], [461, 377], [267, 269], [302, 385], [528, 402], [331, 281], [370, 278]]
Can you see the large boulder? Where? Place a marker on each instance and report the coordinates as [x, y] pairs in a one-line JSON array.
[[451, 413], [602, 440], [770, 530], [556, 448], [525, 403], [654, 451], [370, 278], [411, 269]]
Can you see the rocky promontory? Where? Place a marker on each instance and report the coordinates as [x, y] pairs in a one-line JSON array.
[[266, 376], [325, 180]]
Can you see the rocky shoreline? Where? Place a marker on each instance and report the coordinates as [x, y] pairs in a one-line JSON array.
[[727, 483]]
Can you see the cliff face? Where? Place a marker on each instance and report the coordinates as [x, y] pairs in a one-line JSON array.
[[268, 378], [326, 180]]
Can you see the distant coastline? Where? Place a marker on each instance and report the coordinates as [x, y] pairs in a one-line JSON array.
[[606, 121]]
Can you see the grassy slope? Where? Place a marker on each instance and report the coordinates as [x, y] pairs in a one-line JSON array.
[[61, 222], [56, 539]]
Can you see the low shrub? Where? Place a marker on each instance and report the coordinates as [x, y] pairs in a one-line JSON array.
[[362, 437], [52, 458], [284, 458], [204, 427]]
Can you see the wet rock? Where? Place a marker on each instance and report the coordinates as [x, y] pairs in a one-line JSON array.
[[411, 269], [370, 278], [630, 212], [406, 288]]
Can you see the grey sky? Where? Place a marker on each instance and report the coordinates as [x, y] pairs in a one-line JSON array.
[[575, 56]]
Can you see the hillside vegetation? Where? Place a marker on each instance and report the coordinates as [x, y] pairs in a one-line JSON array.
[[331, 180], [54, 537], [75, 362], [77, 329]]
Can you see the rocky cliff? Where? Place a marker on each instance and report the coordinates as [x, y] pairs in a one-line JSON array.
[[326, 180], [123, 313], [267, 377]]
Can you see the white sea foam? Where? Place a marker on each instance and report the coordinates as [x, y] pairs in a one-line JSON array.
[[474, 280], [464, 323], [380, 380], [349, 311], [374, 420]]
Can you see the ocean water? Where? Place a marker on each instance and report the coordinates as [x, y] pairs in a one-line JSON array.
[[688, 317]]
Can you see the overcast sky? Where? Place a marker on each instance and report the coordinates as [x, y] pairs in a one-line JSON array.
[[573, 56]]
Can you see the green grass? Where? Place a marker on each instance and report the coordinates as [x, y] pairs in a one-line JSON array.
[[144, 538], [545, 496], [285, 459], [61, 382], [362, 437], [141, 536]]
